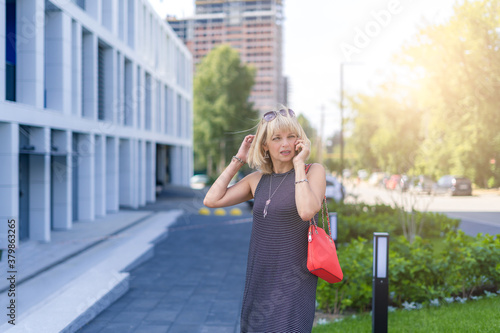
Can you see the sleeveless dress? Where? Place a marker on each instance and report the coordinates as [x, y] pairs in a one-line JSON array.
[[280, 292]]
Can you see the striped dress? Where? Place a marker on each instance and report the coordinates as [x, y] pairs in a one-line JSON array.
[[280, 292]]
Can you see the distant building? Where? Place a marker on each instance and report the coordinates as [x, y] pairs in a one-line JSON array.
[[95, 110], [252, 27]]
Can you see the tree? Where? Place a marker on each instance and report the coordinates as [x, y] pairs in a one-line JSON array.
[[386, 130], [312, 134], [459, 78], [222, 112], [442, 118]]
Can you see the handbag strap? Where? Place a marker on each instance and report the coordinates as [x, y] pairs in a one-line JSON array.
[[324, 209]]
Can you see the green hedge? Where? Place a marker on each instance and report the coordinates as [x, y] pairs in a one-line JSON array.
[[430, 268], [362, 220]]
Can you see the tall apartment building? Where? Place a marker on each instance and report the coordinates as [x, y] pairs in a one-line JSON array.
[[95, 109], [252, 27]]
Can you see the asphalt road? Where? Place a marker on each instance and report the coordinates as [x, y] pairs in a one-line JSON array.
[[478, 213]]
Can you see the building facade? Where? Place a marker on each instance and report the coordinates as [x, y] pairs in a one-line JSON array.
[[95, 111], [252, 27]]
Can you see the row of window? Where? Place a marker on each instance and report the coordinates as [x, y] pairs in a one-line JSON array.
[[259, 46], [259, 32], [259, 40], [116, 95], [200, 10], [260, 61], [267, 43], [125, 17], [207, 26], [211, 33], [259, 54], [266, 82], [265, 74]]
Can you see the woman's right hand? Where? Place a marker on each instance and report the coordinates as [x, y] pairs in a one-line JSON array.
[[245, 147]]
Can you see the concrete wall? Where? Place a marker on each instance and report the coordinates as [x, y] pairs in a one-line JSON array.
[[81, 167]]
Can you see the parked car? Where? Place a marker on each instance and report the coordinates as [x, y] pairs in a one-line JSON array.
[[404, 183], [334, 189], [453, 185], [376, 178], [362, 174], [198, 182], [421, 184], [159, 188], [393, 182]]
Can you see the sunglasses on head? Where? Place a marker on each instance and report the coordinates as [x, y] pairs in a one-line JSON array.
[[271, 115]]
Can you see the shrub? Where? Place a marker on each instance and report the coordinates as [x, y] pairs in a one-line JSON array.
[[468, 264], [354, 291], [417, 273], [362, 220]]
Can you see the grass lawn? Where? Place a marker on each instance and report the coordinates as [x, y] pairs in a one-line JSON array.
[[473, 316]]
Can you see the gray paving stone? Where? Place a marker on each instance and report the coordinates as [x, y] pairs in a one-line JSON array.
[[217, 329], [222, 318], [184, 328], [106, 316], [192, 316], [130, 317], [162, 315], [93, 327], [119, 327], [142, 304], [204, 290], [146, 328], [168, 305]]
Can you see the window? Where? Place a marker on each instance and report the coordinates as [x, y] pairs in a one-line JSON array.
[[80, 3], [128, 95], [100, 82], [148, 101], [10, 51]]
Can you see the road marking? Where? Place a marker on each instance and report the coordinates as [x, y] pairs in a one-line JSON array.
[[201, 226]]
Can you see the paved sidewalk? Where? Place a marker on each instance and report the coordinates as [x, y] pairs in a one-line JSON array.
[[194, 282]]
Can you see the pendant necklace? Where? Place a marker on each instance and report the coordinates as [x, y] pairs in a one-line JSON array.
[[271, 195]]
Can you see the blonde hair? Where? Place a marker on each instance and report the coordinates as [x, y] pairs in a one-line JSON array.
[[265, 130]]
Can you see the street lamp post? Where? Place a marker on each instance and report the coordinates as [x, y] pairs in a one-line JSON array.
[[341, 171], [380, 299]]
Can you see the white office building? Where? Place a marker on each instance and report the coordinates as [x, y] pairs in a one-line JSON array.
[[95, 110]]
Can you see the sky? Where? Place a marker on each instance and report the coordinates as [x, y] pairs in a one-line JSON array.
[[320, 35]]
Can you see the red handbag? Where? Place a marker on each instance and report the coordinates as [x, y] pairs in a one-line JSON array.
[[322, 259]]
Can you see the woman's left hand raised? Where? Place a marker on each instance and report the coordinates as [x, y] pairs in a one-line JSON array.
[[303, 150], [245, 147]]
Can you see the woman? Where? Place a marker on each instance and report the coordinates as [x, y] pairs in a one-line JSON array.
[[280, 292]]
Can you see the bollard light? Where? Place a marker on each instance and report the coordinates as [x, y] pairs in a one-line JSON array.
[[333, 225], [380, 300]]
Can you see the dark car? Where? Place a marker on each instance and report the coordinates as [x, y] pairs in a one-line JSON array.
[[421, 184], [405, 183], [453, 185]]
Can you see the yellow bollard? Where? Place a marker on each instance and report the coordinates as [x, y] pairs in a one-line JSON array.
[[235, 211], [204, 211], [220, 212]]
